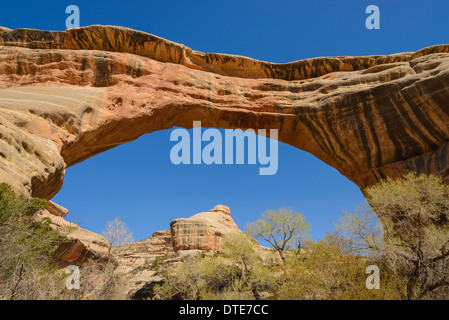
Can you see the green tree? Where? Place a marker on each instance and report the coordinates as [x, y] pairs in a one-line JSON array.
[[332, 269], [27, 265], [283, 229], [414, 211], [254, 276], [235, 272], [186, 281]]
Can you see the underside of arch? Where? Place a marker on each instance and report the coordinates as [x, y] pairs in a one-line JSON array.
[[68, 95]]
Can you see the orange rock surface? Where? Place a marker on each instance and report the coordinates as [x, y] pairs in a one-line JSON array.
[[203, 231], [68, 95]]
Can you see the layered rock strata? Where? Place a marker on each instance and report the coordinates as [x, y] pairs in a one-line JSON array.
[[68, 95]]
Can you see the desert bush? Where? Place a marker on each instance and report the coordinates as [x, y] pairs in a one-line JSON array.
[[28, 269], [235, 272], [332, 269]]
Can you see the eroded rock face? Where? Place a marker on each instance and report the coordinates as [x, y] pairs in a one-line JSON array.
[[83, 244], [140, 261], [203, 231], [68, 95], [139, 264]]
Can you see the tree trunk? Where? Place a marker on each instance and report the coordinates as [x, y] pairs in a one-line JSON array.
[[281, 254], [256, 294]]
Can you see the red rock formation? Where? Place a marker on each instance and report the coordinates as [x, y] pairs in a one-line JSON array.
[[82, 245], [158, 244], [203, 231], [68, 95], [186, 237]]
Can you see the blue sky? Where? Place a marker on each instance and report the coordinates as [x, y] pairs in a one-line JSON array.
[[138, 182]]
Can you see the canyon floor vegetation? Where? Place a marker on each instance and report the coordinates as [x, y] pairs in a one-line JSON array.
[[402, 230]]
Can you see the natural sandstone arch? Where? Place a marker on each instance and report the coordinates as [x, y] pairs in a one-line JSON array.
[[66, 96]]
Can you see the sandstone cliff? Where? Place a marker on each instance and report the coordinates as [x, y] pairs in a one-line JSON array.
[[203, 231], [82, 245], [138, 262], [68, 95]]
